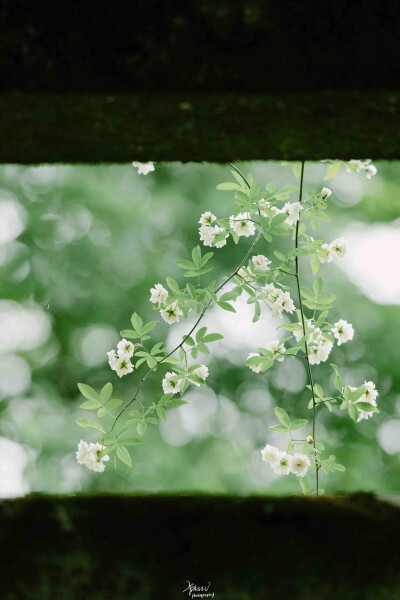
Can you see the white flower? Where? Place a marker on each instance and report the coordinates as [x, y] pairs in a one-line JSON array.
[[326, 192], [143, 168], [273, 299], [159, 294], [241, 225], [125, 349], [278, 300], [299, 464], [339, 246], [370, 170], [310, 329], [207, 235], [281, 464], [320, 351], [287, 302], [277, 348], [319, 347], [218, 230], [268, 454], [343, 332], [336, 248], [370, 394], [360, 164], [244, 274], [263, 204], [84, 453], [261, 262], [255, 368], [292, 209], [123, 366], [171, 387], [88, 455], [112, 358], [201, 372], [330, 255], [309, 439], [364, 165], [207, 218], [171, 313]]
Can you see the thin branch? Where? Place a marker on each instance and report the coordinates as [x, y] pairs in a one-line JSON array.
[[304, 330]]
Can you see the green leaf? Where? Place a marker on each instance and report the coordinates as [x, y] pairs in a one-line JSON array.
[[196, 255], [282, 416], [200, 334], [130, 334], [367, 407], [212, 337], [136, 323], [318, 390], [141, 428], [173, 286], [124, 455], [149, 327], [161, 413], [298, 424], [228, 186], [129, 441], [172, 402], [88, 423], [318, 286], [226, 306], [90, 405], [279, 428], [305, 485], [106, 392], [315, 265], [88, 392], [332, 170], [113, 403], [186, 264]]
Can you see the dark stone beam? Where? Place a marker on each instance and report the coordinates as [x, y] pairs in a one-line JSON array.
[[90, 128], [244, 79]]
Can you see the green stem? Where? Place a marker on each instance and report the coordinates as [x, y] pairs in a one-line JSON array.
[[310, 376]]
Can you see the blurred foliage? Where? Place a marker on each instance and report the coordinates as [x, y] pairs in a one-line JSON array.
[[92, 241]]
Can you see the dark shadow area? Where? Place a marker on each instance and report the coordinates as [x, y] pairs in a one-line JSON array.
[[259, 548]]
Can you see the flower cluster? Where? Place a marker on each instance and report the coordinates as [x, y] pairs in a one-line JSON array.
[[88, 455], [170, 313], [365, 166], [120, 361], [172, 383], [336, 248], [291, 209], [283, 463], [369, 396], [209, 232], [278, 300]]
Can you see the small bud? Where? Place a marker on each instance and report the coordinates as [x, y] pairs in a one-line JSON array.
[[326, 192], [309, 439]]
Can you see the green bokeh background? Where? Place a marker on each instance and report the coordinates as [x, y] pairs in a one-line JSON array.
[[95, 240]]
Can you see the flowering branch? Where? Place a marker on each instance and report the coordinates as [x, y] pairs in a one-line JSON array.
[[263, 214]]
